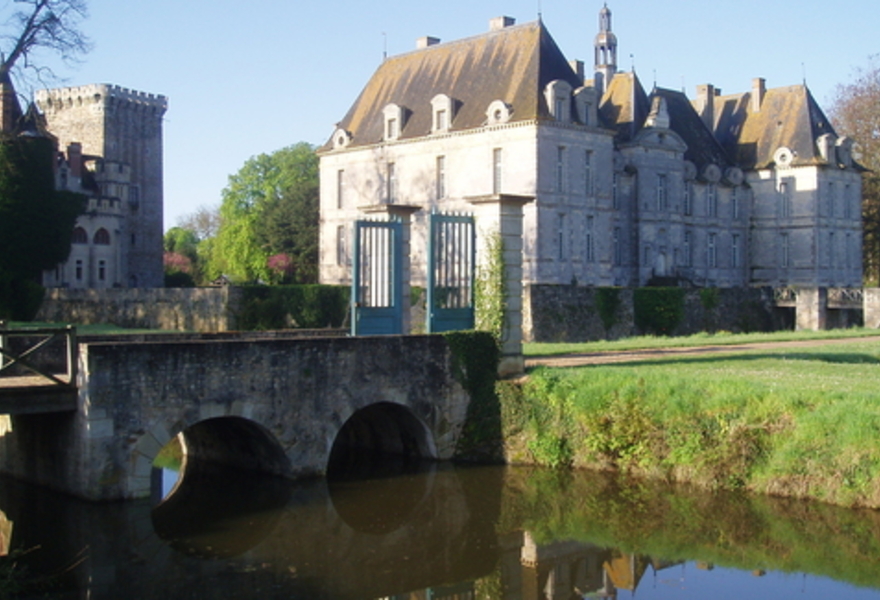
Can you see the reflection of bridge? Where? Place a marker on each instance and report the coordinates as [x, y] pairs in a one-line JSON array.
[[267, 404]]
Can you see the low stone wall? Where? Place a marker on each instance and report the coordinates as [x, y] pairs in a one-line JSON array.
[[173, 309], [564, 313]]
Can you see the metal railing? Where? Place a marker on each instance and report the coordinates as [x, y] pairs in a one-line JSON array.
[[846, 296], [40, 338], [785, 295]]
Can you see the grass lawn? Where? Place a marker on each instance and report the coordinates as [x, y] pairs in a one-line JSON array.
[[797, 422], [700, 339]]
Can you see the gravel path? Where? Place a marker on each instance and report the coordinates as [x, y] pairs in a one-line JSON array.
[[602, 358]]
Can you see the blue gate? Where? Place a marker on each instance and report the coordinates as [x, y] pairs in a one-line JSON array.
[[451, 267], [376, 282]]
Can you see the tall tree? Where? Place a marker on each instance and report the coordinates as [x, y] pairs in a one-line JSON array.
[[270, 207], [855, 111], [51, 25], [36, 222]]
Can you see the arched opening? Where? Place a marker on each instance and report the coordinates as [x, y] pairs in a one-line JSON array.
[[213, 475], [380, 438]]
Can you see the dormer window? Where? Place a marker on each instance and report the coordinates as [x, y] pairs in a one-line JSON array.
[[558, 97], [498, 112], [341, 138], [442, 108], [393, 121], [585, 105]]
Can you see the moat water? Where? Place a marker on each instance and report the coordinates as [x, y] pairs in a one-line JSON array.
[[437, 532]]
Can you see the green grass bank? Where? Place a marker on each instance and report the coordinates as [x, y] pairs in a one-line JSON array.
[[797, 422]]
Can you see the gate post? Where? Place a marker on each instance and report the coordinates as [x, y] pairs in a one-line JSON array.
[[503, 214], [812, 309], [403, 213]]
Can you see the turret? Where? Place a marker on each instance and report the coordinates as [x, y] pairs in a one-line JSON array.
[[606, 52]]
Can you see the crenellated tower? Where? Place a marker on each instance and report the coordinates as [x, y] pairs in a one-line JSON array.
[[120, 127], [605, 65]]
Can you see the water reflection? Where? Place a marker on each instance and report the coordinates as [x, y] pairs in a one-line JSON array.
[[444, 532]]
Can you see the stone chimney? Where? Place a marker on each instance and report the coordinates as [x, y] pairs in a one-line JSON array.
[[759, 90], [75, 159], [706, 104], [578, 67], [499, 23], [424, 42]]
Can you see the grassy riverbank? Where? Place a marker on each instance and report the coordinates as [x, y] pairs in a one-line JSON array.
[[801, 422]]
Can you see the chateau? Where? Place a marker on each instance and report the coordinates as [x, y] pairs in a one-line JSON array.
[[110, 149], [630, 187]]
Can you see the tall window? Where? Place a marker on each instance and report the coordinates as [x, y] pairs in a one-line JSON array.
[[588, 173], [734, 203], [560, 169], [688, 249], [830, 193], [440, 120], [391, 129], [102, 270], [496, 170], [831, 260], [560, 108], [617, 247], [688, 198], [102, 237], [78, 273], [847, 251], [79, 236], [711, 200], [341, 250], [785, 198], [560, 235], [391, 183], [786, 251], [847, 203], [441, 177], [340, 188], [711, 251], [661, 192], [615, 191], [735, 261], [590, 251]]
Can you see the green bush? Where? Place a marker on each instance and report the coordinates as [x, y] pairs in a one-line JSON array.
[[658, 310], [607, 301], [293, 307]]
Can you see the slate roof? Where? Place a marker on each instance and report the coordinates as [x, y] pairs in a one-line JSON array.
[[512, 64], [789, 116], [702, 146], [624, 106]]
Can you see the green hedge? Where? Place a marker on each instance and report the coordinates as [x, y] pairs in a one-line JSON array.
[[293, 307], [658, 310]]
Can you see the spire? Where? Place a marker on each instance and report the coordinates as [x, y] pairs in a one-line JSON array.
[[606, 52]]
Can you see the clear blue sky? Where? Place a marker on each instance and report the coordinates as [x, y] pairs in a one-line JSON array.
[[248, 77]]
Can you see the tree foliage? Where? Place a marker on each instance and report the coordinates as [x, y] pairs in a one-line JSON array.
[[269, 207], [855, 111], [36, 222]]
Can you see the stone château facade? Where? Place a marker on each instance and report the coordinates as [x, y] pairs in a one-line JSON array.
[[113, 141], [631, 187]]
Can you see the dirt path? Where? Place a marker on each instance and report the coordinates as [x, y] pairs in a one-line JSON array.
[[602, 358]]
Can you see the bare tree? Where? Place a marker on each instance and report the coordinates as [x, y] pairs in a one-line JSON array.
[[36, 25]]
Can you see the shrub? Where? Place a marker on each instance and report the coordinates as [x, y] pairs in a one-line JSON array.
[[658, 310], [293, 307]]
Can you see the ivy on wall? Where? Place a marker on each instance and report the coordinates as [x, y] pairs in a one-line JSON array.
[[658, 310], [607, 303], [490, 289]]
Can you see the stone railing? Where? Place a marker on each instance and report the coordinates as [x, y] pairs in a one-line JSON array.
[[845, 297], [785, 296]]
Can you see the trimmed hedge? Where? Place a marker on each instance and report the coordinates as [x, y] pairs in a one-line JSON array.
[[293, 307]]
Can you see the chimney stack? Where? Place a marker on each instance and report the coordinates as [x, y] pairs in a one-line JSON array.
[[759, 89], [424, 42], [499, 23], [706, 104]]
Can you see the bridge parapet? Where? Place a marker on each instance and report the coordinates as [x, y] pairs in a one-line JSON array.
[[853, 298]]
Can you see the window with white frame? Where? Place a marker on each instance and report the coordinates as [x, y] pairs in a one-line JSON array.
[[340, 188], [711, 200], [711, 251], [588, 173], [688, 249], [558, 97], [560, 169], [393, 115], [687, 198], [441, 177], [662, 191], [589, 244], [442, 106], [786, 250], [496, 170], [735, 260], [391, 183]]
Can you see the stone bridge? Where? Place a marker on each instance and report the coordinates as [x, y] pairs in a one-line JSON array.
[[276, 405]]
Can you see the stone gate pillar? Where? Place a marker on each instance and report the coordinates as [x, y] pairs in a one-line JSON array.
[[871, 307], [811, 310], [403, 213], [503, 214]]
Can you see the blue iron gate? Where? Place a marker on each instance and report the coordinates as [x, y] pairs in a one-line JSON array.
[[376, 283], [451, 266]]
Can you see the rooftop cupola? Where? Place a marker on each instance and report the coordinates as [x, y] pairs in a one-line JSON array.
[[606, 51]]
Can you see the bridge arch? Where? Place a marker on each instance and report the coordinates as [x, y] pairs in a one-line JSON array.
[[378, 432]]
